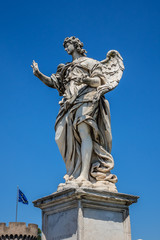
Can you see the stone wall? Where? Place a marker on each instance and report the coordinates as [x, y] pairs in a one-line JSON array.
[[18, 230]]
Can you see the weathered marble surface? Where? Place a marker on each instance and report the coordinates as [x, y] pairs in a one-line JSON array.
[[86, 214], [83, 127], [101, 185]]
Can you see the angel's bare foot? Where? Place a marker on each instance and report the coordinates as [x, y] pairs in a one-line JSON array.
[[81, 179]]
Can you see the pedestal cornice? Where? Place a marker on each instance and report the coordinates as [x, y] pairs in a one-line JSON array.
[[85, 194]]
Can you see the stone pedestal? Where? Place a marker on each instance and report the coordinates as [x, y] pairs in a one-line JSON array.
[[85, 214]]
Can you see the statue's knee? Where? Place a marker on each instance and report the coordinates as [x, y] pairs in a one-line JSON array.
[[84, 131]]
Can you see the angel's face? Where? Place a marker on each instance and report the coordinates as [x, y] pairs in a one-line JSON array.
[[69, 48]]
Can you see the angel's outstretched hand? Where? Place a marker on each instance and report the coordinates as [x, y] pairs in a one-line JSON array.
[[35, 68]]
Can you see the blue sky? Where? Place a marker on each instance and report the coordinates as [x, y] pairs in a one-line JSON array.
[[28, 153]]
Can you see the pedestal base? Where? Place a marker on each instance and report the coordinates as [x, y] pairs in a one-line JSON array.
[[85, 214]]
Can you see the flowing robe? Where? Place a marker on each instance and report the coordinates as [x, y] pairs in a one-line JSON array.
[[79, 105]]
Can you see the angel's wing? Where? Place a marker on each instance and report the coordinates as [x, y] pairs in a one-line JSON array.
[[113, 68]]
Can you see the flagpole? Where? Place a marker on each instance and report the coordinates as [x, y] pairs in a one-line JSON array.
[[17, 202]]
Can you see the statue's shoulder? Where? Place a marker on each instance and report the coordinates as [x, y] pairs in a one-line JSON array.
[[89, 62], [61, 69]]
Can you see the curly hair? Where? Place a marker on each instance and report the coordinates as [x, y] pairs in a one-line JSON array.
[[77, 44]]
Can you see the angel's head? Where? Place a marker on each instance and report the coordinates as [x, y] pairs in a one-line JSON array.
[[72, 43]]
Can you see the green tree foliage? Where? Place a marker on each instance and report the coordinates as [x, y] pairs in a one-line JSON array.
[[39, 234]]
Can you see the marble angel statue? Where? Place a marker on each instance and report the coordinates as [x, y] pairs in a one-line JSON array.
[[83, 126]]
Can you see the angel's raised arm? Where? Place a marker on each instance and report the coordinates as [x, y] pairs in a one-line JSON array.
[[49, 81]]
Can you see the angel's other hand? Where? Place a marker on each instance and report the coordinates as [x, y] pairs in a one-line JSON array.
[[78, 81]]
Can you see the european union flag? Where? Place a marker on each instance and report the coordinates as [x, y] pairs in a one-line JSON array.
[[22, 198]]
